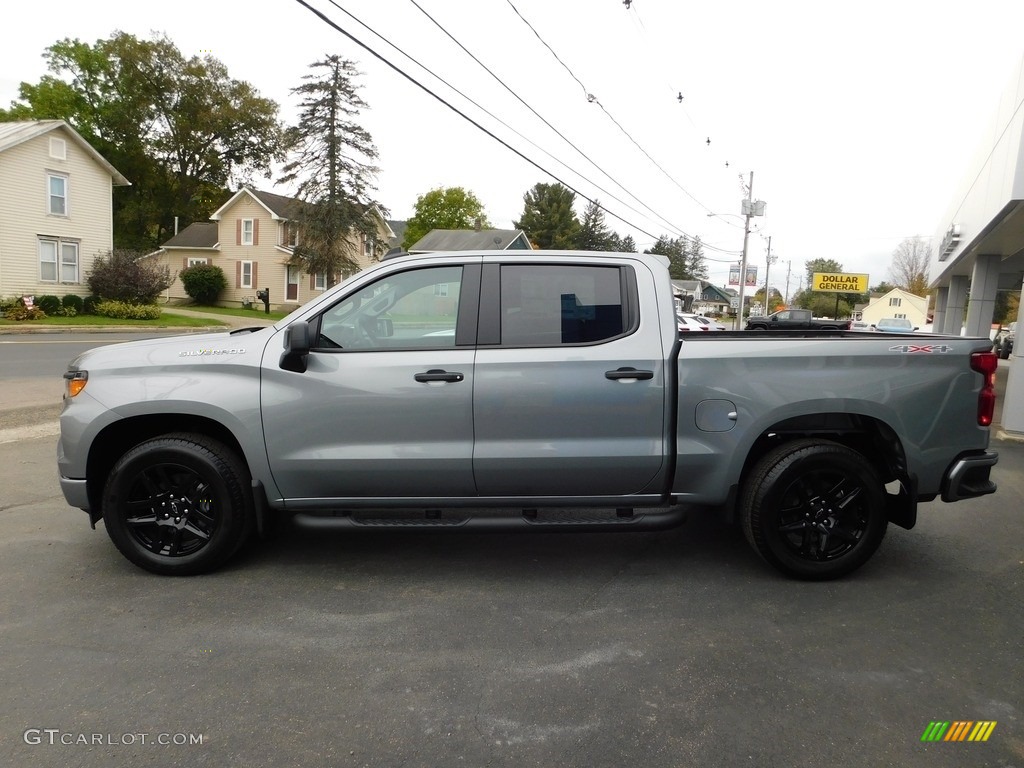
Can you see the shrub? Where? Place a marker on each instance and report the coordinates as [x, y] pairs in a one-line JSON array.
[[125, 276], [123, 310], [89, 305], [49, 304], [18, 311], [72, 304], [203, 282]]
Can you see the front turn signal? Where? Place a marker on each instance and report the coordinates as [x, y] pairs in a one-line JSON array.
[[74, 382]]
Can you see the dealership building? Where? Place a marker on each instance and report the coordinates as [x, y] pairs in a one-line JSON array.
[[978, 249]]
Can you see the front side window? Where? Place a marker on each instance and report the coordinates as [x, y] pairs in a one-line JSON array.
[[400, 311], [57, 186], [551, 305]]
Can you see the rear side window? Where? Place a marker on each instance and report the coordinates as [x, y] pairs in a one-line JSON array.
[[551, 305]]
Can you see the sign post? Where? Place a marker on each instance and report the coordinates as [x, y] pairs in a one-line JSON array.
[[840, 282]]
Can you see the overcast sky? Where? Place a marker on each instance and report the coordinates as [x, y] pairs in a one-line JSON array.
[[858, 121]]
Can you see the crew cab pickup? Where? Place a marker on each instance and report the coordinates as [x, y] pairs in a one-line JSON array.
[[539, 391], [795, 320]]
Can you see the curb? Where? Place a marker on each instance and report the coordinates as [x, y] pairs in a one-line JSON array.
[[13, 329]]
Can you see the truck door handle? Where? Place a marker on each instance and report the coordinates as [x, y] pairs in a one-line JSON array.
[[437, 374], [628, 373]]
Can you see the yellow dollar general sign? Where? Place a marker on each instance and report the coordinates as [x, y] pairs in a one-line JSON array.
[[958, 730], [840, 281]]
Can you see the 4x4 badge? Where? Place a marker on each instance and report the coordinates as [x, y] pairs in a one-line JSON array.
[[926, 348]]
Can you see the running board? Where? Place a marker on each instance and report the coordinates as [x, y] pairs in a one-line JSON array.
[[578, 520]]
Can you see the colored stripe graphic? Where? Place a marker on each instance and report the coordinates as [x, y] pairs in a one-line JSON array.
[[958, 730]]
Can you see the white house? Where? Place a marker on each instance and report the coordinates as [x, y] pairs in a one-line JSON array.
[[56, 208]]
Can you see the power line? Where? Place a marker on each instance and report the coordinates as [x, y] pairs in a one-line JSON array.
[[323, 17], [579, 151]]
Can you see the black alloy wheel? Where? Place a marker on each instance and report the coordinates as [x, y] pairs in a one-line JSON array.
[[814, 509]]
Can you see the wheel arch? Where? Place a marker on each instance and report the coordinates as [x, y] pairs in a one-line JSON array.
[[114, 440], [869, 436]]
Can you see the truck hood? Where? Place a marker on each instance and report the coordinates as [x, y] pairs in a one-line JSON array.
[[243, 346]]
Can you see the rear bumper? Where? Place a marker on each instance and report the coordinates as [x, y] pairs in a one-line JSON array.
[[968, 476]]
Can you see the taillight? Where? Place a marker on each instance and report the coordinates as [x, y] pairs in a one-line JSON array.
[[986, 363]]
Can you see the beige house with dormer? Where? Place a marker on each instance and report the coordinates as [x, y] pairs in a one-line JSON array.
[[56, 208], [252, 238]]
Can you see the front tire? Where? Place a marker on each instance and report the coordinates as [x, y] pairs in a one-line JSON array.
[[179, 504], [814, 509]]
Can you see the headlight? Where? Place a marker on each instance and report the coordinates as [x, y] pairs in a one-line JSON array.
[[74, 382]]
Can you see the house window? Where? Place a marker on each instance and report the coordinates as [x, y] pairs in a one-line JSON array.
[[246, 280], [895, 302], [58, 148], [369, 245], [193, 261], [57, 188], [290, 234], [441, 289], [901, 317], [58, 261], [320, 281], [247, 231]]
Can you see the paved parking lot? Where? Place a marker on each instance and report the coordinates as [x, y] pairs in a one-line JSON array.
[[670, 649]]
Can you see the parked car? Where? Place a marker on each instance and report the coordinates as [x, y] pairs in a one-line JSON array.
[[1004, 340], [689, 323], [860, 325], [894, 325], [710, 322]]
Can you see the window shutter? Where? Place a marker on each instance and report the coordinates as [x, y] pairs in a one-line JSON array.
[[312, 282], [255, 282], [238, 274], [184, 262], [255, 231], [238, 232]]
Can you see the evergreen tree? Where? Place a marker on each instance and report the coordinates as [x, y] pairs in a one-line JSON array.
[[594, 235], [548, 218], [333, 164]]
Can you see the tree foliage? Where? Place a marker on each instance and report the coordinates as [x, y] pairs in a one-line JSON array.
[[333, 163], [181, 130], [686, 257], [594, 235], [444, 208], [909, 268], [126, 276], [548, 218]]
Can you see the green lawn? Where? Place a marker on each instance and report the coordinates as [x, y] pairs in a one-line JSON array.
[[166, 320], [235, 311]]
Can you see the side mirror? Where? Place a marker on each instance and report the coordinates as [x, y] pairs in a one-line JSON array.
[[296, 347]]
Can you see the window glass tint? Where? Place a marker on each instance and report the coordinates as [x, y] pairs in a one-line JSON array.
[[550, 305], [417, 309]]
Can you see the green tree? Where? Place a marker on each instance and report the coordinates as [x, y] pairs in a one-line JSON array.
[[686, 257], [444, 208], [594, 235], [627, 245], [180, 129], [333, 164], [882, 288], [548, 218], [823, 303]]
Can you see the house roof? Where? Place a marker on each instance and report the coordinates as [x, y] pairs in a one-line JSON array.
[[202, 234], [470, 240], [14, 133]]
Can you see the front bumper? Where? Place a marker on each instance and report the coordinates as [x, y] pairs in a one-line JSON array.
[[968, 476]]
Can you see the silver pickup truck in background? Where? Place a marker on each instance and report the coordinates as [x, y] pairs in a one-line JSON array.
[[539, 391]]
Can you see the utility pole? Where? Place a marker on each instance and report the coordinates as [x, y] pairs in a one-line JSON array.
[[789, 268], [751, 208], [767, 267]]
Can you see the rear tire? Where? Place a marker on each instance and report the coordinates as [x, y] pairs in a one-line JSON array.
[[180, 504], [814, 509]]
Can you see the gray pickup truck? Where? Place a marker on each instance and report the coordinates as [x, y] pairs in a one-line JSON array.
[[540, 391]]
